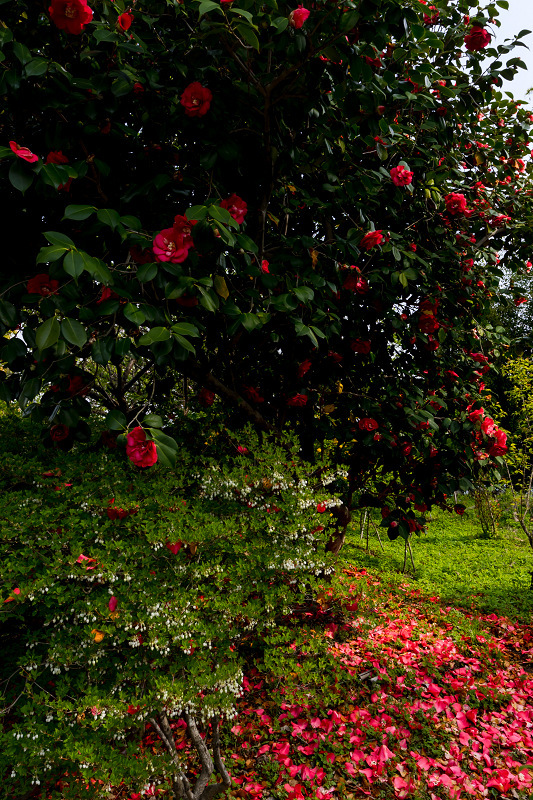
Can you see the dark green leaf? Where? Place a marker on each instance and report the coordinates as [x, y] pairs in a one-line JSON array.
[[37, 66], [116, 421], [152, 421], [73, 264], [47, 334], [20, 175], [109, 217], [134, 315], [78, 212], [73, 332], [146, 272], [157, 334]]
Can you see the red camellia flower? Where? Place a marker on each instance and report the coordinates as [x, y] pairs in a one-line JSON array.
[[362, 346], [206, 397], [252, 394], [298, 17], [186, 301], [56, 157], [357, 284], [140, 451], [106, 294], [477, 39], [169, 246], [368, 424], [264, 266], [196, 100], [77, 386], [455, 203], [23, 152], [298, 400], [519, 300], [183, 227], [236, 207], [70, 15], [42, 284], [124, 21], [428, 324], [401, 176], [431, 19], [499, 448], [371, 239], [304, 367], [58, 433]]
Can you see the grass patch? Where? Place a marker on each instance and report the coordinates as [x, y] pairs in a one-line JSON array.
[[454, 562]]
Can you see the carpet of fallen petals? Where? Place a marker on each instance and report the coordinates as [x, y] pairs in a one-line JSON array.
[[433, 702]]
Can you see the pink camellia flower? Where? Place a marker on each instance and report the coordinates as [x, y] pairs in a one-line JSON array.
[[196, 99], [70, 15], [477, 39], [455, 203], [401, 176], [124, 21], [298, 17], [23, 152], [298, 400], [56, 157], [140, 451], [113, 603], [241, 449], [168, 246], [236, 207], [174, 547], [371, 239], [368, 424], [42, 284]]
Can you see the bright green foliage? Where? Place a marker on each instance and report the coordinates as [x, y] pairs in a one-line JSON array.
[[202, 562], [455, 561]]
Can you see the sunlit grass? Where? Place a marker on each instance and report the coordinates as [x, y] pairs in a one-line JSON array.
[[453, 561]]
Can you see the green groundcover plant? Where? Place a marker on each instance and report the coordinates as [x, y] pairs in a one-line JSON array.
[[134, 596]]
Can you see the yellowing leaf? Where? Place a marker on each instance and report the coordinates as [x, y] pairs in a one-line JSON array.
[[328, 409], [98, 635], [314, 257], [220, 287]]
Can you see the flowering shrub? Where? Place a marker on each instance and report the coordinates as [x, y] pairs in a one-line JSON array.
[[136, 596]]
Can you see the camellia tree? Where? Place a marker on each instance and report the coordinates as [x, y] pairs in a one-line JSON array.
[[298, 210], [295, 215]]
